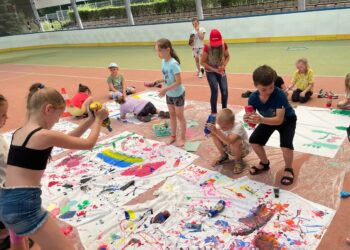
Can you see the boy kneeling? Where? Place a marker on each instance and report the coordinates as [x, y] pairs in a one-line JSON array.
[[230, 138]]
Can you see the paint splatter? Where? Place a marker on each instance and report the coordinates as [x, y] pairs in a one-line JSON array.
[[321, 145], [319, 213], [81, 213], [67, 215], [67, 230], [213, 239], [70, 161], [53, 183], [266, 241], [83, 205], [143, 170], [118, 159]]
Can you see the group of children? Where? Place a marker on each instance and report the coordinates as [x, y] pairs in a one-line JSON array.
[[24, 162]]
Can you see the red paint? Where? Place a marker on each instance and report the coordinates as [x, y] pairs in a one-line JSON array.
[[142, 140], [280, 207], [67, 230], [177, 163], [52, 183], [81, 213], [239, 195], [290, 223], [53, 176], [147, 149], [103, 247], [319, 213], [143, 170], [94, 206], [70, 161]]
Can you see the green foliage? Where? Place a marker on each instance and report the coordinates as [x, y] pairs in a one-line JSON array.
[[55, 24], [10, 23]]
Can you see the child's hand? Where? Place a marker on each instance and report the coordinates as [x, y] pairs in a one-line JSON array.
[[254, 118], [246, 117], [211, 127], [162, 93], [302, 94], [101, 113]]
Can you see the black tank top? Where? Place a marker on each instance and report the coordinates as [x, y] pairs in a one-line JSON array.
[[23, 157]]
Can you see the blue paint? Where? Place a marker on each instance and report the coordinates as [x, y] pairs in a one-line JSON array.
[[114, 162], [222, 223], [67, 215], [72, 203], [181, 236], [241, 243], [211, 239]]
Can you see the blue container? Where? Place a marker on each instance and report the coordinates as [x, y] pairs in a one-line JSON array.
[[211, 119], [217, 209]]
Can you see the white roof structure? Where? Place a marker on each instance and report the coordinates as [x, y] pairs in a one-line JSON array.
[[40, 4]]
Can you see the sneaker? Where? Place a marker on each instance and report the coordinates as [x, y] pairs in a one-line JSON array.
[[322, 94], [164, 114], [200, 74], [202, 70], [334, 96], [238, 167]]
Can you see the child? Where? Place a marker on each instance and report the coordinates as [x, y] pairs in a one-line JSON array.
[[173, 89], [279, 83], [197, 46], [116, 82], [215, 59], [142, 109], [230, 138], [345, 104], [20, 203], [78, 104], [303, 79], [277, 114]]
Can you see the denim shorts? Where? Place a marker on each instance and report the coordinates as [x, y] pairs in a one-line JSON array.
[[20, 209], [177, 101]]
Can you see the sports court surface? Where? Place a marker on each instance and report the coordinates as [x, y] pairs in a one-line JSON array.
[[318, 179]]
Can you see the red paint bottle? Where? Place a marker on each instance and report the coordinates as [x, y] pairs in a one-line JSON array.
[[329, 101], [248, 110]]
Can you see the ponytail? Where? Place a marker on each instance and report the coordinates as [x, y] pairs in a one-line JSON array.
[[83, 88], [2, 100], [165, 44]]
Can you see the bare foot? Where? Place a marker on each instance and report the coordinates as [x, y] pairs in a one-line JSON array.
[[348, 240], [171, 140], [180, 143]]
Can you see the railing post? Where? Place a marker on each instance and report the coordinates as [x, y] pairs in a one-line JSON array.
[[199, 9]]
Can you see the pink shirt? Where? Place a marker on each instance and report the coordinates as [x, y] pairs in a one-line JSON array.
[[78, 99]]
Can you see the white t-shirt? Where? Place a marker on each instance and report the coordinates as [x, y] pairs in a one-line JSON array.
[[198, 43], [238, 129], [4, 149]]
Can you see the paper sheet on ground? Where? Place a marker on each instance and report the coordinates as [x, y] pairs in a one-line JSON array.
[[63, 126], [316, 131], [287, 222], [85, 187]]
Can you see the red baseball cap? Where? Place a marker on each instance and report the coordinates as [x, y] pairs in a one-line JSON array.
[[215, 38]]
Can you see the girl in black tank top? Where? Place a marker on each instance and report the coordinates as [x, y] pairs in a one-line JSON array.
[[30, 149]]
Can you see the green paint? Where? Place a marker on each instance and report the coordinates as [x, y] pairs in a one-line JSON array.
[[341, 112], [333, 164], [122, 157], [65, 209], [192, 123], [114, 237], [321, 145], [83, 205], [188, 198], [143, 57], [322, 132], [192, 146], [341, 128]]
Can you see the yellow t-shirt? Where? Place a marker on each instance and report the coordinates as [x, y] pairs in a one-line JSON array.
[[302, 81]]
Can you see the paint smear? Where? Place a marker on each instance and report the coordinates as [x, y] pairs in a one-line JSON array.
[[70, 161], [118, 159], [52, 183], [319, 213], [266, 241], [67, 215], [143, 170], [67, 230]]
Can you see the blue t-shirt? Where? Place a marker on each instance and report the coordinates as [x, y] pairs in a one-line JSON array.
[[277, 100], [170, 69]]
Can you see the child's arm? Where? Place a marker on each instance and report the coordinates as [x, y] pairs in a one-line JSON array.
[[85, 125], [273, 121], [227, 58], [123, 86], [174, 85], [111, 87], [204, 59], [58, 139], [226, 139], [200, 34]]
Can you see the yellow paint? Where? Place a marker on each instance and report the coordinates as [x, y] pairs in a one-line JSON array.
[[51, 207], [131, 214], [184, 42]]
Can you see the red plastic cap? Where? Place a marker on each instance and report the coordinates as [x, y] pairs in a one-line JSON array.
[[215, 38]]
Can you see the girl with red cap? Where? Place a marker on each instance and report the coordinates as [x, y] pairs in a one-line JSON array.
[[214, 59]]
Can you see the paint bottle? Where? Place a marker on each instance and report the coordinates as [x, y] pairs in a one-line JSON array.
[[329, 101], [193, 226], [211, 119], [248, 110], [218, 208], [106, 122], [160, 217], [276, 191]]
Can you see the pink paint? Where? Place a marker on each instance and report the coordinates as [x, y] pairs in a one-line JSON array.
[[148, 149], [52, 183], [319, 213], [94, 207], [143, 170], [53, 176], [142, 140], [99, 236], [55, 212], [70, 161], [67, 230], [81, 213]]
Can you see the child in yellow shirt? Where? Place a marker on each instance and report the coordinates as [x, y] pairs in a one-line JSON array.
[[303, 80]]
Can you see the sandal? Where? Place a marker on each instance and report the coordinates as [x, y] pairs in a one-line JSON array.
[[286, 180], [321, 94], [221, 159], [239, 167], [246, 94], [257, 170]]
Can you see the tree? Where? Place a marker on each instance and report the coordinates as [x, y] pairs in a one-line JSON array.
[[10, 21]]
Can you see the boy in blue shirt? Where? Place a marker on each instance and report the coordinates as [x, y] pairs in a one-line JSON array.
[[275, 114]]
